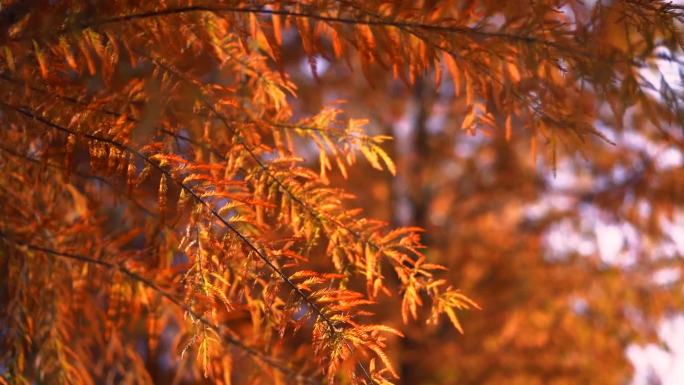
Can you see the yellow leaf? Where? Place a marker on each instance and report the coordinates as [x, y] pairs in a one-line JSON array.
[[454, 320], [41, 60], [513, 72], [337, 44], [260, 38], [80, 202], [469, 120], [68, 55], [277, 29], [470, 92], [509, 128], [371, 156], [386, 159], [454, 72], [83, 45], [371, 261], [9, 58], [385, 360]]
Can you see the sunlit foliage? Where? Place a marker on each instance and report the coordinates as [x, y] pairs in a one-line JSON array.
[[171, 213]]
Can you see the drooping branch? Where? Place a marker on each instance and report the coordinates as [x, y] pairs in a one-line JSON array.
[[468, 31], [318, 216], [332, 329], [79, 174], [219, 329]]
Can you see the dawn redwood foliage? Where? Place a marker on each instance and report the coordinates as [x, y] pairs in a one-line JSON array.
[[162, 219]]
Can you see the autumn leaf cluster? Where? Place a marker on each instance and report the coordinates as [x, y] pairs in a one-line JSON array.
[[166, 199]]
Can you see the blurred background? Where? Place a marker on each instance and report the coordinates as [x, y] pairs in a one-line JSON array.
[[577, 268]]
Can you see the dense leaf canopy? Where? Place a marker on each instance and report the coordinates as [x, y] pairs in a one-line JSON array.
[[187, 199]]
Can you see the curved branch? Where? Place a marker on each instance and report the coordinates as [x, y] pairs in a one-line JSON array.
[[473, 32], [249, 243], [312, 211], [315, 214]]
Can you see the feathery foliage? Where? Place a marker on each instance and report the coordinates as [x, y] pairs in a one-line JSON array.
[[160, 201]]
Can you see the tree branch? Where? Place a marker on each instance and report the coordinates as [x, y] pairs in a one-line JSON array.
[[220, 330], [78, 174], [250, 151], [473, 32], [249, 243]]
